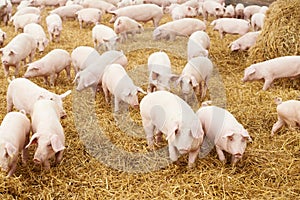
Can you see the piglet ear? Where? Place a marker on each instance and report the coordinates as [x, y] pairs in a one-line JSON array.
[[141, 90], [246, 135], [228, 135], [196, 129], [251, 70], [172, 133], [10, 149], [154, 75], [194, 81], [56, 144], [33, 140]]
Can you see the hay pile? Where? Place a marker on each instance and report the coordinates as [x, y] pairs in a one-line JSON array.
[[280, 35], [106, 154]]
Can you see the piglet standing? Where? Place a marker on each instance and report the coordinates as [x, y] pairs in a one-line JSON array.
[[125, 26], [224, 131], [89, 16], [288, 113], [50, 65], [244, 42], [181, 27], [172, 116], [22, 94], [281, 67], [83, 56], [103, 34], [116, 81], [17, 50], [140, 13], [48, 133], [231, 26], [37, 31], [195, 76], [91, 76], [14, 135], [54, 26], [198, 44], [160, 75]]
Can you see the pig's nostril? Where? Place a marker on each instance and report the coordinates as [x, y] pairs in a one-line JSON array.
[[36, 160], [238, 155]]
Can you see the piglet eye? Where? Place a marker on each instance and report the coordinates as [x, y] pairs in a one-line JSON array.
[[230, 138]]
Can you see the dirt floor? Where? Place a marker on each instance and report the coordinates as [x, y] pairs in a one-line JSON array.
[[106, 154]]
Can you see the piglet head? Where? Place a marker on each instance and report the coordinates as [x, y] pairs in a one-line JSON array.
[[249, 74], [48, 146], [130, 96], [7, 153], [187, 83], [236, 144]]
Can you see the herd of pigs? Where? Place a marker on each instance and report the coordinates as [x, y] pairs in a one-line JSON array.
[[162, 112]]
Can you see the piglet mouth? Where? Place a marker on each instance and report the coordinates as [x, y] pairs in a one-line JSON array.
[[36, 161], [183, 151], [238, 155]]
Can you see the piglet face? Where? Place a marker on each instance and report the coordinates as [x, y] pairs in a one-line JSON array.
[[131, 98], [8, 57], [4, 157], [7, 154], [249, 74], [236, 144]]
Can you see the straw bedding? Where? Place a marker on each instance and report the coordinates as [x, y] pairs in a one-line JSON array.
[[106, 154]]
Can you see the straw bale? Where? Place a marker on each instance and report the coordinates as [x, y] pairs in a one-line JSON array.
[[280, 34], [106, 154]]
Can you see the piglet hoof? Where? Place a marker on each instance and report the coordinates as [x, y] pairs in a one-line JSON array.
[[191, 165]]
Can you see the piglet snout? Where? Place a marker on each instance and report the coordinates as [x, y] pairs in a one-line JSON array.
[[36, 161], [238, 155]]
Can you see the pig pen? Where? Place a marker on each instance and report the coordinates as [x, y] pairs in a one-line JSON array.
[[106, 155]]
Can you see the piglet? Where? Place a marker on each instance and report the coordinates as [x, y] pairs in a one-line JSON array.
[[244, 42], [224, 131], [50, 65], [22, 94], [140, 13], [103, 34], [195, 76], [257, 21], [14, 135], [116, 81], [66, 11], [239, 11], [89, 16], [159, 66], [125, 26], [198, 44], [83, 56], [18, 49], [22, 20], [48, 133], [212, 8], [281, 67], [54, 27], [288, 113], [91, 76], [173, 117], [251, 10], [231, 26], [183, 11], [37, 31], [181, 27]]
